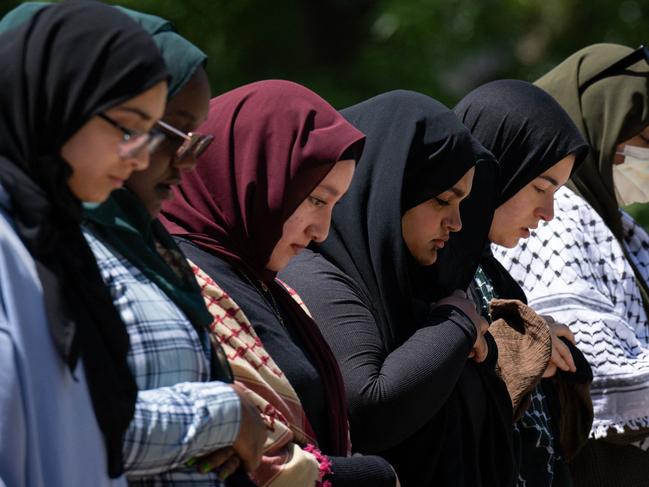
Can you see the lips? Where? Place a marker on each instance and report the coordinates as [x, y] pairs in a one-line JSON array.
[[117, 182], [440, 242], [297, 248], [164, 188], [171, 182]]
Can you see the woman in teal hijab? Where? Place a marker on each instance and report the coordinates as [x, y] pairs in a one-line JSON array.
[[127, 220], [185, 410]]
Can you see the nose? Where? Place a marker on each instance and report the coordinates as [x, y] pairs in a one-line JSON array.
[[139, 161], [453, 222], [184, 164], [318, 230], [546, 211]]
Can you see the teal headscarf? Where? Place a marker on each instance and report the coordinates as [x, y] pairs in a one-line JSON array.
[[126, 226], [181, 56], [122, 221]]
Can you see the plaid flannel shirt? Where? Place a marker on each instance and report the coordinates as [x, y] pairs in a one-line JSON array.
[[179, 415]]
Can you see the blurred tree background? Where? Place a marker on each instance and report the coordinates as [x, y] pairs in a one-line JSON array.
[[349, 50]]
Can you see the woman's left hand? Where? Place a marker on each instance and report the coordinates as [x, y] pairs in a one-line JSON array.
[[224, 459]]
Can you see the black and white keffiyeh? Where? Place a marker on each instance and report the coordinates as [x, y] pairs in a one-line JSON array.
[[574, 269]]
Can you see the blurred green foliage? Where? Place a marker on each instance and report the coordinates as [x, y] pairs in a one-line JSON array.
[[349, 50], [641, 213]]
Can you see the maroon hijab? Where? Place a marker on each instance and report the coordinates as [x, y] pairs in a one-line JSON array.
[[274, 142]]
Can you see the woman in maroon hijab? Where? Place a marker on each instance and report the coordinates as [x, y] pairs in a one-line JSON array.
[[282, 157]]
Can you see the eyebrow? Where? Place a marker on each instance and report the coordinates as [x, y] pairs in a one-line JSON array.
[[185, 114], [457, 191], [329, 189], [551, 180], [145, 116]]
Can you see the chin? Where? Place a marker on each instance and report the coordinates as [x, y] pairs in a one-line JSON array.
[[277, 264], [97, 198], [509, 243], [426, 260], [154, 209]]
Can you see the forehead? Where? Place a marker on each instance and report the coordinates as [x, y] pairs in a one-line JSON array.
[[192, 102], [560, 172], [148, 105], [463, 186]]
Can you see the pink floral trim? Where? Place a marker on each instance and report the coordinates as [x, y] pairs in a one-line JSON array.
[[325, 465]]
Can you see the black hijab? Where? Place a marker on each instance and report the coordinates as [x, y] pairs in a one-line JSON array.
[[415, 149], [528, 132], [59, 69]]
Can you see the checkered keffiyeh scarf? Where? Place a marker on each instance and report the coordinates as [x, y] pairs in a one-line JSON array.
[[574, 269], [290, 454]]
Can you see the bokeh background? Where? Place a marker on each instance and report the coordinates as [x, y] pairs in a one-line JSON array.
[[349, 50]]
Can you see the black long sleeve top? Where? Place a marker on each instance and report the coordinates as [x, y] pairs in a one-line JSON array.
[[392, 394]]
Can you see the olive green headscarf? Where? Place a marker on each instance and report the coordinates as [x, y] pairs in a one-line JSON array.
[[608, 112]]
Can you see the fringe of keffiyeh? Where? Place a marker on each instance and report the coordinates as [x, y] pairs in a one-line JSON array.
[[325, 465], [601, 429]]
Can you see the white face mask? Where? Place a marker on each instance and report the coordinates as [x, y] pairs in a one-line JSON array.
[[631, 179]]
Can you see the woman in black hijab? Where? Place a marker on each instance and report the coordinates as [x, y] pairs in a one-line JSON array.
[[414, 398], [81, 86], [537, 147]]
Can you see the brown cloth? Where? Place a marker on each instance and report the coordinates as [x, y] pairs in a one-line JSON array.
[[575, 416], [524, 349]]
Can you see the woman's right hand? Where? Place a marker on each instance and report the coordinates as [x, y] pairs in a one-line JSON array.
[[561, 356], [460, 300], [247, 449], [249, 445]]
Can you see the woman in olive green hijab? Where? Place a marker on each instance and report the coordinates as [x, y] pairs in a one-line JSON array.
[[589, 267]]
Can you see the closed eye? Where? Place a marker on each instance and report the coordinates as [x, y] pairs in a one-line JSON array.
[[441, 202], [539, 190], [316, 201]]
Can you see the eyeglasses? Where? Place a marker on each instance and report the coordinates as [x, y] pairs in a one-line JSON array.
[[134, 142], [193, 143], [616, 68]]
